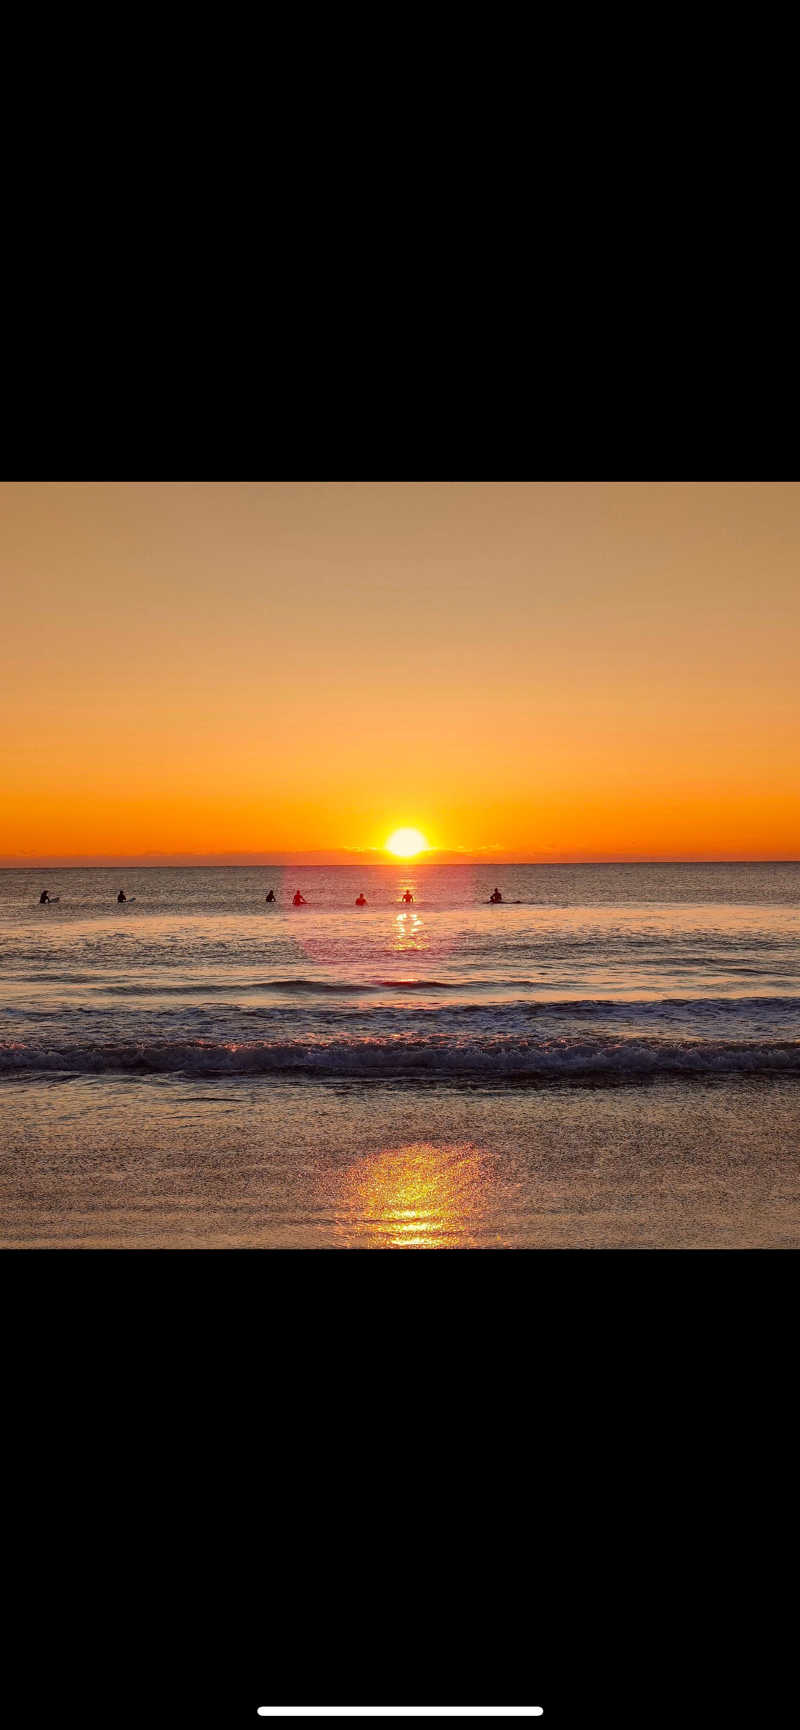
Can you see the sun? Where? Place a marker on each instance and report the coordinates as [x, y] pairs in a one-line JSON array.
[[406, 843]]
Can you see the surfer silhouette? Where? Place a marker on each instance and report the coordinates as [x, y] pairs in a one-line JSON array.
[[495, 895], [361, 901], [43, 898], [122, 896], [270, 896], [298, 900], [408, 896]]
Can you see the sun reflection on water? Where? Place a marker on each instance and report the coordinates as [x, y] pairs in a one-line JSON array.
[[409, 932], [422, 1196]]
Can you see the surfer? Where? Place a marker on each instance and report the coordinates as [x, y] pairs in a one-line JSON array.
[[495, 895], [270, 896], [122, 896], [44, 898], [361, 901], [298, 900], [408, 896]]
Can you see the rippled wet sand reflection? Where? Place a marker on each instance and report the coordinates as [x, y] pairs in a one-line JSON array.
[[424, 1196]]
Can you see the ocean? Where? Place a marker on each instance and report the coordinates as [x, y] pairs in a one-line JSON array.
[[610, 1058]]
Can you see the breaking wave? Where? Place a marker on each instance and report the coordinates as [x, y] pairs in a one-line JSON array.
[[493, 1059]]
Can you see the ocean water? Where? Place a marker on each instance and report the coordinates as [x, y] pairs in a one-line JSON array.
[[450, 1044]]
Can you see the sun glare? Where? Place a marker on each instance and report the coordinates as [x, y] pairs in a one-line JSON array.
[[406, 843]]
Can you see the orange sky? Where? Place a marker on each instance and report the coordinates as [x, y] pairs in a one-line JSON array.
[[521, 670]]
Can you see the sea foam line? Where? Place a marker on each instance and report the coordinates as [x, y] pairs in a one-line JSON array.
[[492, 1059]]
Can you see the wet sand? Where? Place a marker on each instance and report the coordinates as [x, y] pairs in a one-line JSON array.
[[162, 1163]]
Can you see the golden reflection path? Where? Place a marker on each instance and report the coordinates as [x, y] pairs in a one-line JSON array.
[[423, 1196], [408, 933]]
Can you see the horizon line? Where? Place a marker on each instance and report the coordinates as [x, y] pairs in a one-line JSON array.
[[366, 857]]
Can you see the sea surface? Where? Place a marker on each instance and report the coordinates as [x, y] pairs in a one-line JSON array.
[[612, 1056]]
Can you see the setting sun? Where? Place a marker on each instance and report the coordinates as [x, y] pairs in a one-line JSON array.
[[406, 843]]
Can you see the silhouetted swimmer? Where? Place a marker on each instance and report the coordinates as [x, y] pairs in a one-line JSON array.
[[361, 901], [298, 900], [122, 896], [408, 896], [495, 895], [270, 896], [44, 898]]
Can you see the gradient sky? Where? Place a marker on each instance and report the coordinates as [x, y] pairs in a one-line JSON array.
[[524, 671]]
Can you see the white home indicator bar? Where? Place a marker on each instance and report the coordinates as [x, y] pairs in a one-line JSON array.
[[400, 1711]]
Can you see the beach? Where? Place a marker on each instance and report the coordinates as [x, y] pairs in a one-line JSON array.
[[610, 1058], [159, 1163]]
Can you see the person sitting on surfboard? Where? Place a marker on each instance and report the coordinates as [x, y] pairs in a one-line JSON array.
[[270, 896], [122, 896], [298, 900], [408, 896], [495, 895], [361, 901], [43, 898]]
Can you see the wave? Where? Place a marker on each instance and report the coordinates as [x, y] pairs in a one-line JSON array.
[[474, 994], [150, 987], [215, 987], [343, 987], [530, 994], [492, 1059]]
